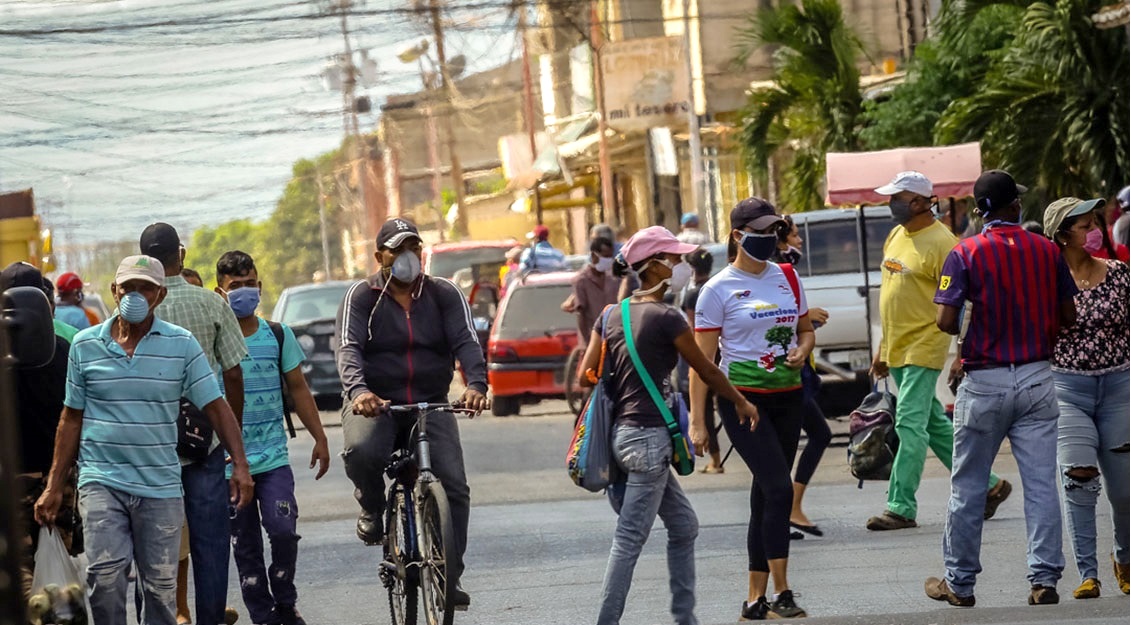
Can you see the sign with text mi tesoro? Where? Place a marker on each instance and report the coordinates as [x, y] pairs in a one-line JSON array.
[[645, 83]]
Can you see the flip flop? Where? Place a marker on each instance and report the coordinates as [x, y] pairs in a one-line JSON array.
[[812, 530], [710, 469]]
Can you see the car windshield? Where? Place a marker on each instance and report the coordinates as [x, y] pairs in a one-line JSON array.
[[833, 246], [536, 311], [445, 264], [313, 304]]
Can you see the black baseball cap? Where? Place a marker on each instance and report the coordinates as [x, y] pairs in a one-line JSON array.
[[160, 240], [996, 189], [24, 274], [394, 232], [755, 213]]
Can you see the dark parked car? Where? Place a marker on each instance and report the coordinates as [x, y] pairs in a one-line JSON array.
[[310, 310]]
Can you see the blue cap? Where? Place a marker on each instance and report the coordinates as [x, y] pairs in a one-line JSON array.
[[688, 219]]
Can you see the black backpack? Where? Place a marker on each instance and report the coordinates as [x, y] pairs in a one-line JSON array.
[[194, 430], [872, 440]]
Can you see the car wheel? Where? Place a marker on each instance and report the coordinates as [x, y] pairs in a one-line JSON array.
[[505, 406]]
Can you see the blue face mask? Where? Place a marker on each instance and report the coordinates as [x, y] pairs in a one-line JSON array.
[[133, 307], [244, 301]]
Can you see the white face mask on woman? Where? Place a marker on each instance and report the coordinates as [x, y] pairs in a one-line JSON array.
[[662, 283]]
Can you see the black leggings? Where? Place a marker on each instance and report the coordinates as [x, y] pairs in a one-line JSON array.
[[818, 437], [769, 452]]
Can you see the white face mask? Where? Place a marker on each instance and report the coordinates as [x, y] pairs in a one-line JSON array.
[[604, 264], [662, 283]]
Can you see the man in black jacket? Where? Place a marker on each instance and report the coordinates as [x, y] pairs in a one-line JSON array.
[[398, 334]]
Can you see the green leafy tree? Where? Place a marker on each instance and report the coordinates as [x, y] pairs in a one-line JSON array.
[[949, 65], [814, 104], [781, 336], [287, 247], [209, 243], [1053, 110]]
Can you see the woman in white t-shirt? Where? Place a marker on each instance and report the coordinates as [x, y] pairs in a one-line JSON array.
[[756, 314]]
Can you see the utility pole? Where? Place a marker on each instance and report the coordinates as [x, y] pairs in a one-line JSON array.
[[608, 197], [528, 102], [694, 143], [361, 152], [446, 87]]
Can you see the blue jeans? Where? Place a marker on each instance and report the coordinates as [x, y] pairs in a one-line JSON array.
[[206, 508], [1018, 402], [120, 529], [1093, 425], [651, 489], [275, 511]]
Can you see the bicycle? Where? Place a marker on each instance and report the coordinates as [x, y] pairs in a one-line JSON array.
[[575, 394], [419, 538]]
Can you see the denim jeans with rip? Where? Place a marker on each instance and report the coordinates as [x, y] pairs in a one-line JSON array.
[[275, 511], [1093, 433], [121, 529]]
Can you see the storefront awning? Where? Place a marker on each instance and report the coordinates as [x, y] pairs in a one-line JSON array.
[[852, 176]]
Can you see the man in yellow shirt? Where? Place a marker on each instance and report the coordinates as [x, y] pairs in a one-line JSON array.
[[913, 349]]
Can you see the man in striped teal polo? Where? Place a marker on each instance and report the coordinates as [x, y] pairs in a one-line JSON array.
[[125, 379]]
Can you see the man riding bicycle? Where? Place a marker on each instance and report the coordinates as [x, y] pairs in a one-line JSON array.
[[398, 334]]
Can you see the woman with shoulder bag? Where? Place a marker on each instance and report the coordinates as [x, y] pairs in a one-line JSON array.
[[642, 441], [755, 312], [1090, 362]]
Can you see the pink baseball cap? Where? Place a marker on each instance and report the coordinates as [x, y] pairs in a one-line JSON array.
[[651, 241]]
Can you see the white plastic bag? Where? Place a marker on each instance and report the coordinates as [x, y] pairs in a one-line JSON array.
[[59, 594]]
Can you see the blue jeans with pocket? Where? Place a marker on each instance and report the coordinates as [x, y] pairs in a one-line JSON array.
[[1094, 433], [275, 511], [120, 529], [206, 509], [1018, 402], [651, 488]]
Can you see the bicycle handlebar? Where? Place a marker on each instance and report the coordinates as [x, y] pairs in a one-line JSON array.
[[425, 407]]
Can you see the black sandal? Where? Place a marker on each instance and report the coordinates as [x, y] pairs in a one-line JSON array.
[[812, 530]]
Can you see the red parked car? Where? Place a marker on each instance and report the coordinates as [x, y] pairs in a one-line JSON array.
[[529, 343]]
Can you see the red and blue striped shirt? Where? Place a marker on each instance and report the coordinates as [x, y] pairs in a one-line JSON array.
[[1016, 280]]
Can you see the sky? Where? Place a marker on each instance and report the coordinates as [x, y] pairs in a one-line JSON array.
[[121, 113]]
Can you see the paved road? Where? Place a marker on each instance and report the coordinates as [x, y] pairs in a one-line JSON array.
[[539, 544]]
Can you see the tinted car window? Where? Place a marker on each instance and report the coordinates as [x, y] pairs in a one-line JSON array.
[[536, 310], [312, 304], [446, 264], [832, 246]]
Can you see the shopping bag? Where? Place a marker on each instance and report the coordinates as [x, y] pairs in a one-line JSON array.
[[59, 593], [591, 463], [589, 459]]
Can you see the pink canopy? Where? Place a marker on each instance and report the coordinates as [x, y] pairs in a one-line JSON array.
[[851, 176]]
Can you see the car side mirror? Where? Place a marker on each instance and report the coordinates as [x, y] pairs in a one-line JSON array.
[[27, 320]]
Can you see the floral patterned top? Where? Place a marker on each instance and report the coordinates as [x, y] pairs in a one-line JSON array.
[[1098, 343]]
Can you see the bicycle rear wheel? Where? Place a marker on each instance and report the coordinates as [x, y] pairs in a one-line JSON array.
[[437, 551], [575, 395], [400, 577]]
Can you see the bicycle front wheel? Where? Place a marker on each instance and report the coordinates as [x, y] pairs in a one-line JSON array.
[[437, 555], [399, 572]]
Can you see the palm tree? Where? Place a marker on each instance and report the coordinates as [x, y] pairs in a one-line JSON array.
[[813, 105], [1053, 109]]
